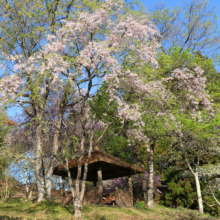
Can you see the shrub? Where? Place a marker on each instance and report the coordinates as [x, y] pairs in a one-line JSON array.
[[179, 191]]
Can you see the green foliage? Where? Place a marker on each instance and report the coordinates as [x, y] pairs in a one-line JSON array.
[[176, 58], [6, 192], [4, 128], [179, 191], [21, 209], [210, 205]]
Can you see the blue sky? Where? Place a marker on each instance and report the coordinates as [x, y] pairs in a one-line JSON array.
[[173, 3]]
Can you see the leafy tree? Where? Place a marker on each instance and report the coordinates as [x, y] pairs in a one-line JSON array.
[[211, 199], [4, 139], [23, 30], [66, 72], [6, 157]]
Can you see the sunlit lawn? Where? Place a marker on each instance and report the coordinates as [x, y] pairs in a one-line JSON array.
[[21, 209]]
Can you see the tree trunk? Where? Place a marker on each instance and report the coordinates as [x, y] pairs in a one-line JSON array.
[[54, 185], [199, 194], [70, 181], [44, 177], [78, 200], [196, 176], [39, 169], [49, 178], [213, 194], [31, 188], [150, 188], [77, 208], [25, 181]]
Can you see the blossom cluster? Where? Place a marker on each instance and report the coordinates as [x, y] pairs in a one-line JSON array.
[[99, 46], [10, 87], [194, 83]]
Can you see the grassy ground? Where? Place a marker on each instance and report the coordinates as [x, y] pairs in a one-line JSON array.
[[21, 209]]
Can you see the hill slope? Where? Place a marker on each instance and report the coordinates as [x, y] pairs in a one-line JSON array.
[[21, 209]]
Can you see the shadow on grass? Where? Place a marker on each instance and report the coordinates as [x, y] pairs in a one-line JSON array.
[[33, 208], [8, 218], [16, 205], [51, 207], [69, 209]]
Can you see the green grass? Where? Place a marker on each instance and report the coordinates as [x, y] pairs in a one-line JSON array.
[[21, 209]]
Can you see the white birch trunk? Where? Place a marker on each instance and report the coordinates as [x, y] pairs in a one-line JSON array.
[[54, 185], [196, 176], [78, 200], [199, 194], [213, 195], [30, 195], [79, 171], [49, 179], [25, 180], [150, 188], [58, 125], [70, 186], [31, 188], [49, 176], [39, 167], [79, 196]]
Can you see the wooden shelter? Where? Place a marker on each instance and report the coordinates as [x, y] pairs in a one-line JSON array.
[[102, 166]]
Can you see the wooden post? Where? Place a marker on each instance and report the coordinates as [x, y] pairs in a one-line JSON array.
[[100, 189], [63, 190], [95, 179], [130, 188]]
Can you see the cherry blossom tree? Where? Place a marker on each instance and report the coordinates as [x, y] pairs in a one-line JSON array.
[[23, 30], [97, 52], [86, 51], [194, 121]]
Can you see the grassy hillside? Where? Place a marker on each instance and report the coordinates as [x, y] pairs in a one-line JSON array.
[[21, 209]]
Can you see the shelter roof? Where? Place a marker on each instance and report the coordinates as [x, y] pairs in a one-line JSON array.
[[112, 167]]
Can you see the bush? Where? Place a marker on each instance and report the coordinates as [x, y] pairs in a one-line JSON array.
[[211, 206], [179, 191]]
